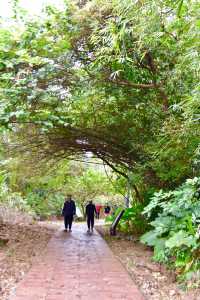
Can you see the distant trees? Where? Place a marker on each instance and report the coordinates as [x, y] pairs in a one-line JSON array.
[[43, 193]]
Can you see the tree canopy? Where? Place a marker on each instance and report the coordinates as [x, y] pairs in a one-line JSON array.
[[119, 79]]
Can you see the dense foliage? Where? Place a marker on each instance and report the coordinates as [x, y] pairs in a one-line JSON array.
[[42, 194], [117, 78], [175, 229], [132, 221]]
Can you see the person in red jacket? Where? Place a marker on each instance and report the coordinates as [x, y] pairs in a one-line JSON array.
[[98, 210]]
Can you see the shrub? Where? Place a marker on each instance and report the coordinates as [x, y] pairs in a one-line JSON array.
[[45, 205], [13, 215], [132, 221], [175, 229]]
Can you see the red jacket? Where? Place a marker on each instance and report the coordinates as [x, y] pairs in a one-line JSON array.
[[98, 208]]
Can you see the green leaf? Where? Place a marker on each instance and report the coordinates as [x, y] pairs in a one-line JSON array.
[[181, 238], [150, 238]]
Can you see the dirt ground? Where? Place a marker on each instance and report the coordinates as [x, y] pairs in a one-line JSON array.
[[153, 279], [20, 245]]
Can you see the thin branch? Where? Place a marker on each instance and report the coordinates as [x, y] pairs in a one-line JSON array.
[[134, 85], [112, 167]]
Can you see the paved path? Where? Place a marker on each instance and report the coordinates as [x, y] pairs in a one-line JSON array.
[[77, 266]]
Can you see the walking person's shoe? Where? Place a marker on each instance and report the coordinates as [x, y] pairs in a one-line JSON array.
[[70, 230], [65, 229], [88, 231], [92, 230]]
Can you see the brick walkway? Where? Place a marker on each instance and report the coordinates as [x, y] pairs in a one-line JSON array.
[[77, 266]]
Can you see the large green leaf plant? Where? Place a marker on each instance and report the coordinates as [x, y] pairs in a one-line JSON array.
[[174, 217]]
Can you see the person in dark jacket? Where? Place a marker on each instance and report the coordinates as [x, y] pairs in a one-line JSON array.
[[107, 210], [68, 212], [90, 212]]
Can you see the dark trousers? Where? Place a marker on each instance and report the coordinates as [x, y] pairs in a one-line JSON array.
[[68, 221], [90, 222]]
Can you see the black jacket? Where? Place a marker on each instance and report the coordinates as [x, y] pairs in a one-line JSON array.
[[107, 209], [90, 210], [69, 208]]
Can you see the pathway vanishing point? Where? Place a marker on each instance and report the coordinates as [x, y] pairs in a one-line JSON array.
[[77, 266]]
